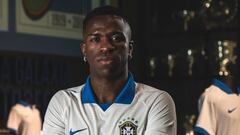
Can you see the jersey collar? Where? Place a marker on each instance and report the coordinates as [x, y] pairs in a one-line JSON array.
[[24, 103], [224, 87], [125, 97]]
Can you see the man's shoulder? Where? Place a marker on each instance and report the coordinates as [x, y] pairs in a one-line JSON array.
[[211, 94], [76, 89], [144, 88], [69, 93], [151, 96], [212, 90], [148, 92]]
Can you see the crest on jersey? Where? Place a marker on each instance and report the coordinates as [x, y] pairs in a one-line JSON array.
[[128, 127]]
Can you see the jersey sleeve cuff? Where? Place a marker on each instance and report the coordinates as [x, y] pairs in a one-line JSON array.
[[200, 131]]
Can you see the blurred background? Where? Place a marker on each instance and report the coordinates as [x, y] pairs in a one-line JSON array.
[[40, 48]]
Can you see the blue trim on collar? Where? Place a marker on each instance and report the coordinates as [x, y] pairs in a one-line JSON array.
[[238, 90], [200, 131], [12, 131], [222, 86], [87, 93], [104, 106], [26, 104], [125, 97], [127, 94]]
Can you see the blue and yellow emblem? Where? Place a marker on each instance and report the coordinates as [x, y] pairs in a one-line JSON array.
[[128, 127]]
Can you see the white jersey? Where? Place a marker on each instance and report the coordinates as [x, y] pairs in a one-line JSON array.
[[219, 111], [25, 120], [138, 110]]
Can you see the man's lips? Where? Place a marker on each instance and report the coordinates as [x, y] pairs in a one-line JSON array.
[[105, 60]]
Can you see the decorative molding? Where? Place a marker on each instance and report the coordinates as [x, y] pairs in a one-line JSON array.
[[52, 23], [3, 15]]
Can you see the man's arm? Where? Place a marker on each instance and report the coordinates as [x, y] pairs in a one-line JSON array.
[[206, 122], [54, 120], [162, 117], [13, 121]]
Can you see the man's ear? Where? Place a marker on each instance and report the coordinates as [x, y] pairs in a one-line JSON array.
[[131, 43], [83, 48]]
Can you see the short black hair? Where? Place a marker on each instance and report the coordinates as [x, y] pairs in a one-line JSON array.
[[103, 10]]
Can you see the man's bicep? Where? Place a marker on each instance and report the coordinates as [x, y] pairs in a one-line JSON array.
[[54, 121], [206, 123], [162, 117], [14, 120]]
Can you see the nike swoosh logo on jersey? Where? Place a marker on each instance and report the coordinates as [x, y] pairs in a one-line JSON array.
[[74, 132], [231, 110]]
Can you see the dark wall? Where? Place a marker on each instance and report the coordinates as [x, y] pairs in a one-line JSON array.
[[35, 78], [37, 65], [173, 37]]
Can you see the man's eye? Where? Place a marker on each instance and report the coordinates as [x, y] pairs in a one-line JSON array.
[[117, 38], [95, 39]]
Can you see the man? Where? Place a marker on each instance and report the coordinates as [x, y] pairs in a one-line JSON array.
[[110, 102], [219, 105]]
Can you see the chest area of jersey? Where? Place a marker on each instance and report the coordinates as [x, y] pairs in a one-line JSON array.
[[229, 108], [117, 120]]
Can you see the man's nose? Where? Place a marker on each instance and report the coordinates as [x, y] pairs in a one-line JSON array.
[[106, 45]]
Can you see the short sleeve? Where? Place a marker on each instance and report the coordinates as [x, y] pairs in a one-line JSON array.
[[54, 120], [14, 120], [206, 123], [162, 116], [37, 120]]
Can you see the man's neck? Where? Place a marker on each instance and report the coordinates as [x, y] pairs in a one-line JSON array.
[[106, 90]]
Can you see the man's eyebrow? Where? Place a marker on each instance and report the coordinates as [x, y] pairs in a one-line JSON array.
[[93, 34], [117, 32], [99, 34]]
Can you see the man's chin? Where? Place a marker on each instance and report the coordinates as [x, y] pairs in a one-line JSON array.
[[109, 73]]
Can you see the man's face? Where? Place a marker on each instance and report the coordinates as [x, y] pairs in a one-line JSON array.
[[106, 46]]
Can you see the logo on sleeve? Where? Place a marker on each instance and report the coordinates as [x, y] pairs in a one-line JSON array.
[[74, 132], [128, 126]]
